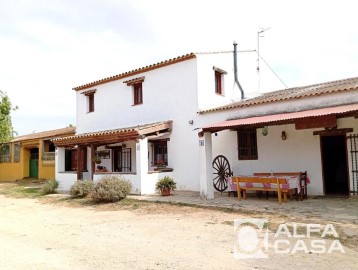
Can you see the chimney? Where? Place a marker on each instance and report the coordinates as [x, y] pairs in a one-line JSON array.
[[235, 71]]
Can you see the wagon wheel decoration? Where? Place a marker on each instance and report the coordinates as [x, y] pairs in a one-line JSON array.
[[222, 170]]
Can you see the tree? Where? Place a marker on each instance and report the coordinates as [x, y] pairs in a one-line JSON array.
[[6, 130]]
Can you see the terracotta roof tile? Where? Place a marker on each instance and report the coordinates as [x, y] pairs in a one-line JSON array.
[[294, 93], [46, 134], [137, 71], [276, 118], [139, 129]]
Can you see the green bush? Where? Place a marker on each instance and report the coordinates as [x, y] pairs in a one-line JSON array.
[[81, 188], [50, 187], [166, 183], [111, 189]]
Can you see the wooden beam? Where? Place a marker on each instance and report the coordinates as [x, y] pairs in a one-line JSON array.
[[316, 122], [341, 131], [97, 141], [154, 129]]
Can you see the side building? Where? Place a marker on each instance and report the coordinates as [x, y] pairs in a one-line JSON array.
[[31, 156]]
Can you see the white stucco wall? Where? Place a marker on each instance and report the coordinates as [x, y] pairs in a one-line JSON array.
[[300, 152], [169, 93], [66, 180]]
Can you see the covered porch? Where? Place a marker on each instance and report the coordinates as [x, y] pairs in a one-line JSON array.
[[138, 153], [319, 141]]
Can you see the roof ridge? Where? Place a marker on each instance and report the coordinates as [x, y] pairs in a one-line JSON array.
[[45, 133], [292, 93], [137, 71]]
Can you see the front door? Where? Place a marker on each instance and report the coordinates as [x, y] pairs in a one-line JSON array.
[[335, 165], [34, 163]]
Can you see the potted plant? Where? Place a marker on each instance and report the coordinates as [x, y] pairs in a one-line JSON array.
[[97, 160], [165, 185], [160, 164]]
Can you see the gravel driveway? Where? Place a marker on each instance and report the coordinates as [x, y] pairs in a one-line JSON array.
[[40, 235]]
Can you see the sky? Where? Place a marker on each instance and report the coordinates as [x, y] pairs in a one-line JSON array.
[[49, 47]]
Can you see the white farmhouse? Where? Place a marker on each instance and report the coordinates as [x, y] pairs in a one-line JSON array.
[[138, 121], [143, 117]]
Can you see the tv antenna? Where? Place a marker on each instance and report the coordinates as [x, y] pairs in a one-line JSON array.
[[260, 34]]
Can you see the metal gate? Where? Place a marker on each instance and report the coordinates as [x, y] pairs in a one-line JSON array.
[[124, 160], [353, 143]]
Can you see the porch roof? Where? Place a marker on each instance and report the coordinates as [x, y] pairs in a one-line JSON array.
[[49, 134], [282, 118], [114, 135]]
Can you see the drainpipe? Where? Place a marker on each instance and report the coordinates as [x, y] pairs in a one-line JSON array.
[[235, 71]]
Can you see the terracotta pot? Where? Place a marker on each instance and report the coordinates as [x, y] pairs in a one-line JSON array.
[[165, 191]]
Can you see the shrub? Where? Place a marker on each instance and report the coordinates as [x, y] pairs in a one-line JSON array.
[[166, 183], [50, 187], [81, 188], [111, 189]]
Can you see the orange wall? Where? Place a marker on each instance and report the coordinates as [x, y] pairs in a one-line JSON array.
[[13, 171]]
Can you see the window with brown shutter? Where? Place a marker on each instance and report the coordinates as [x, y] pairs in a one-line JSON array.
[[90, 102], [247, 144], [137, 94], [218, 83]]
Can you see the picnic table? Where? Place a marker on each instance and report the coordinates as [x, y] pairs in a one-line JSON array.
[[282, 183]]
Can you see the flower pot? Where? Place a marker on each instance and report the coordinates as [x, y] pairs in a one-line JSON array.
[[165, 191]]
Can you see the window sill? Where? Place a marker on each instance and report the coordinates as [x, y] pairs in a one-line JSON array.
[[161, 170], [102, 172], [137, 104]]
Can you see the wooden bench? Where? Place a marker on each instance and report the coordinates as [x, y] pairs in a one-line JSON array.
[[302, 178], [277, 187]]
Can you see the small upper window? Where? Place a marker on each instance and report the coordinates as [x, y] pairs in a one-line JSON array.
[[247, 144], [90, 102], [137, 94], [219, 80], [90, 99], [136, 84], [218, 83]]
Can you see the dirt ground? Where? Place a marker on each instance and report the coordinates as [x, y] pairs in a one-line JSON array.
[[52, 233]]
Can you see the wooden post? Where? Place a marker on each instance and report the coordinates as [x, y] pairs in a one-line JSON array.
[[93, 165], [79, 162]]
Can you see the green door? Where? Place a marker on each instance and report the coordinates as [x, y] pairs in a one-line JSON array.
[[34, 168]]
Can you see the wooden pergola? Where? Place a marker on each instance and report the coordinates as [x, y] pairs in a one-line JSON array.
[[105, 137]]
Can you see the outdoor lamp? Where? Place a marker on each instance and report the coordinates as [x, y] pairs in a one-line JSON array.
[[283, 135]]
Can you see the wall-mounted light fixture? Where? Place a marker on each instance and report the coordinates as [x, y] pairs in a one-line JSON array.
[[283, 136]]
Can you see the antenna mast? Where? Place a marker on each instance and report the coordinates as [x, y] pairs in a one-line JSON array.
[[258, 46]]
